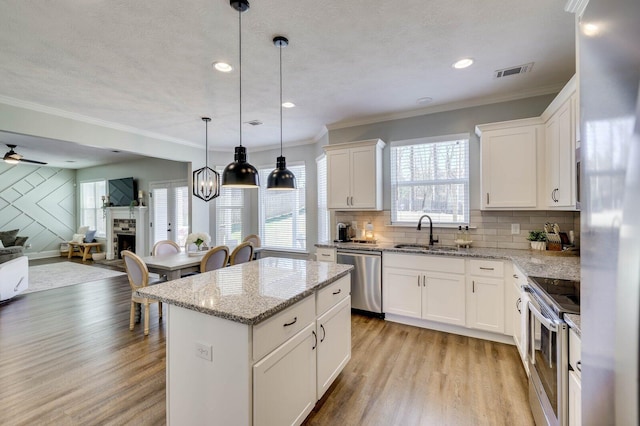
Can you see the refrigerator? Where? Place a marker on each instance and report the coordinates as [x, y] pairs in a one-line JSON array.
[[609, 72]]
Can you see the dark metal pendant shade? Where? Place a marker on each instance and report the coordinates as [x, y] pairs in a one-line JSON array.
[[240, 174], [206, 181], [281, 178]]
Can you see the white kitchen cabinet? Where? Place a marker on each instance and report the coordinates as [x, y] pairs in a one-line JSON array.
[[518, 308], [560, 141], [284, 382], [575, 379], [354, 175], [333, 330], [509, 154], [326, 254], [433, 291], [485, 295]]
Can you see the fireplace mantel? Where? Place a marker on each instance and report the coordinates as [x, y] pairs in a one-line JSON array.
[[141, 216]]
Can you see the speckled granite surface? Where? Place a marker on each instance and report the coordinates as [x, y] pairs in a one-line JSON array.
[[574, 322], [251, 292], [532, 262]]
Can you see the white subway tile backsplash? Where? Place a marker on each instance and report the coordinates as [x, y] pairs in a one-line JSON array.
[[488, 228]]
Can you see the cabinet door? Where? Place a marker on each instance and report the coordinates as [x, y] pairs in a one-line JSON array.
[[516, 314], [338, 179], [443, 298], [284, 382], [575, 399], [509, 170], [334, 344], [363, 178], [402, 289], [560, 147], [485, 304]]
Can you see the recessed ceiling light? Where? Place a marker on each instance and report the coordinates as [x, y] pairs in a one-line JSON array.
[[254, 122], [463, 63], [425, 100], [590, 30], [222, 66], [288, 104], [115, 151]]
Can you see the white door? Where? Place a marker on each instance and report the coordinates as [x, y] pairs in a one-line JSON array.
[[443, 298], [334, 344], [169, 211]]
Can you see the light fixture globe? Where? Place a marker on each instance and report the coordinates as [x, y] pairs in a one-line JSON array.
[[240, 174], [281, 178], [206, 181]]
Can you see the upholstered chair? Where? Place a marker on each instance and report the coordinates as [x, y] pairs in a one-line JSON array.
[[165, 247], [242, 253], [253, 239], [216, 258], [138, 278]]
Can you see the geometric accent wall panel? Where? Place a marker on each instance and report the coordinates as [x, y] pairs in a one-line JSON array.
[[40, 201]]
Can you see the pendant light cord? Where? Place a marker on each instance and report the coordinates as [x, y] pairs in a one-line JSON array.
[[206, 143], [280, 101], [240, 66]]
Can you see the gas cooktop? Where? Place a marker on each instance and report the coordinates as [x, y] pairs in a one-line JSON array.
[[563, 296]]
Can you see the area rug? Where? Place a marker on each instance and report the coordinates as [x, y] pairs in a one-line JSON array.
[[62, 274]]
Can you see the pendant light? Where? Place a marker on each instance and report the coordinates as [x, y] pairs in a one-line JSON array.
[[240, 174], [206, 181], [281, 178]]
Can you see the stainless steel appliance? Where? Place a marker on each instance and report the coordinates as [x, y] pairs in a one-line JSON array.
[[547, 351], [366, 280]]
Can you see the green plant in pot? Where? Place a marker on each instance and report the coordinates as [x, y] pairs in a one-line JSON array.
[[538, 240]]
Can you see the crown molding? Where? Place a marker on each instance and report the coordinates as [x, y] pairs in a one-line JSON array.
[[32, 106], [545, 90]]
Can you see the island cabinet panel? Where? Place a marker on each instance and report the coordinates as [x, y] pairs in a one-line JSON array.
[[334, 344], [332, 294], [273, 332], [194, 393], [284, 382]]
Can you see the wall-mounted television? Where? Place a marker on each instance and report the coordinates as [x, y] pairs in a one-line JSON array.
[[122, 191]]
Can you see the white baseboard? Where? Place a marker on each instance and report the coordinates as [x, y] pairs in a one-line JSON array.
[[43, 254], [449, 328]]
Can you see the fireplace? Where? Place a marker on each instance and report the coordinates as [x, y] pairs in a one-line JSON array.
[[124, 242]]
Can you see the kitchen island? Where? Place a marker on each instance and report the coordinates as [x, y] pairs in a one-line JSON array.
[[256, 343]]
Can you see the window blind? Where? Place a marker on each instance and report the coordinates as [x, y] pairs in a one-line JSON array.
[[282, 217], [430, 176], [323, 211], [91, 206], [229, 215]]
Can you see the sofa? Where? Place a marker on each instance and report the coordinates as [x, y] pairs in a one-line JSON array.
[[14, 265]]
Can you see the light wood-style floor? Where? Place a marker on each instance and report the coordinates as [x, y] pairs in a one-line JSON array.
[[67, 357]]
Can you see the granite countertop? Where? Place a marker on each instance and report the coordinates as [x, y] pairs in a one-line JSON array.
[[250, 292], [537, 263], [574, 322]]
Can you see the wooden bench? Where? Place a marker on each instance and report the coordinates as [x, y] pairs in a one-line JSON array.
[[84, 249]]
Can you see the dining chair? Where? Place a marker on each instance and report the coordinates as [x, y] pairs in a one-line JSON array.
[[216, 258], [253, 239], [138, 278], [241, 254], [165, 247]]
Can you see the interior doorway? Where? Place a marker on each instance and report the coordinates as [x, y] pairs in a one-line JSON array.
[[169, 211]]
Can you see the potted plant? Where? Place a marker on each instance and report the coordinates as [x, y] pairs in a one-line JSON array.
[[538, 240]]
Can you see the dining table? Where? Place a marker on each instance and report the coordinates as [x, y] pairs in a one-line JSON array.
[[174, 265]]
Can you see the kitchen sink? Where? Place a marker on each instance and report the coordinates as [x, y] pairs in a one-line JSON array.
[[424, 247]]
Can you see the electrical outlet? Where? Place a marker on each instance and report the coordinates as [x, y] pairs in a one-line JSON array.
[[204, 351], [515, 228]]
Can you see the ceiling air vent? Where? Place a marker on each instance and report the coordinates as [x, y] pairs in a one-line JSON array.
[[254, 122], [520, 69]]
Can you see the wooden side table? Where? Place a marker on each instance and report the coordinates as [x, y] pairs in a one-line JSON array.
[[85, 249]]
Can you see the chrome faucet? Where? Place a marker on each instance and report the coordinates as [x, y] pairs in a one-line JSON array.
[[431, 240]]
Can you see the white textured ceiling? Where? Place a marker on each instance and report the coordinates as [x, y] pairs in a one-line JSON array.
[[147, 64]]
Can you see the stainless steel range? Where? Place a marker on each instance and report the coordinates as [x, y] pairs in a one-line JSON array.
[[548, 347]]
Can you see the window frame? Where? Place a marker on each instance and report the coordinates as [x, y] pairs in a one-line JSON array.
[[323, 212], [242, 208], [465, 181], [99, 212]]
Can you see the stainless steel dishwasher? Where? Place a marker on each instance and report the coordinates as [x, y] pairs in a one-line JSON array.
[[366, 280]]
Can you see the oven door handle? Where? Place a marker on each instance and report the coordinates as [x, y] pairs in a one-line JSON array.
[[550, 324]]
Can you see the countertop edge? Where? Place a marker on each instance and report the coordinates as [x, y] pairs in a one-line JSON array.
[[573, 321]]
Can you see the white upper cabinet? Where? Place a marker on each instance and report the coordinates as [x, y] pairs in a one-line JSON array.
[[560, 138], [354, 175], [509, 154]]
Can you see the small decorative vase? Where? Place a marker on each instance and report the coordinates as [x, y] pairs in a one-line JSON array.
[[538, 245]]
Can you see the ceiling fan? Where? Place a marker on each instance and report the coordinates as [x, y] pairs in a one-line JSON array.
[[13, 157]]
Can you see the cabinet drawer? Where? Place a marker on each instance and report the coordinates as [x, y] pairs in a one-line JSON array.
[[424, 262], [486, 268], [574, 352], [271, 333], [519, 277], [325, 254], [332, 294]]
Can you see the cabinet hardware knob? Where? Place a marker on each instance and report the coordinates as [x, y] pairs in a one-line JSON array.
[[324, 333], [518, 302], [486, 269], [325, 255], [579, 366], [515, 276], [337, 292], [315, 338], [418, 280], [473, 286], [295, 319], [487, 198]]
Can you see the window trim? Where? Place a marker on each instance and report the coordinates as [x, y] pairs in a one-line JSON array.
[[99, 210]]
